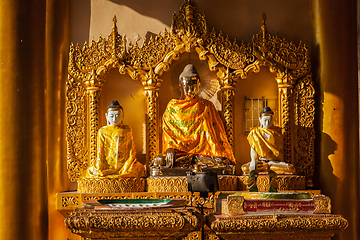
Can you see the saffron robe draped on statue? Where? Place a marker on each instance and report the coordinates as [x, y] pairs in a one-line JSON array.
[[117, 153], [193, 126], [267, 142]]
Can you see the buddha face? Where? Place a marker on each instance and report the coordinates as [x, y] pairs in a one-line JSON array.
[[190, 86], [114, 117], [266, 121]]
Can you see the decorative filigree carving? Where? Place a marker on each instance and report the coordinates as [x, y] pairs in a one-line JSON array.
[[285, 182], [111, 185], [180, 184], [101, 55], [284, 58], [227, 183], [152, 122], [304, 128], [193, 236], [234, 205], [150, 53], [228, 96], [323, 204], [229, 54], [76, 109], [89, 223], [167, 184], [273, 223], [94, 100], [70, 201], [284, 95], [189, 24]]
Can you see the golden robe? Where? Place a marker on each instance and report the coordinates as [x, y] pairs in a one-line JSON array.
[[116, 153], [267, 142], [194, 126]]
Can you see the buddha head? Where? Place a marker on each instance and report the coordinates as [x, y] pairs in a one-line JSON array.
[[114, 113], [266, 117], [189, 81]]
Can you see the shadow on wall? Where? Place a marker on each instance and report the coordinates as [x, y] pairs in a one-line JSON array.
[[161, 11], [80, 21], [324, 163], [329, 181], [293, 20]]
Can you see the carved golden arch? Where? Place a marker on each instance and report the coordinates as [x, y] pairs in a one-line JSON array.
[[89, 66]]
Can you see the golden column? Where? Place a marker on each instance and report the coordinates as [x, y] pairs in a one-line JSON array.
[[31, 123], [152, 123], [228, 105], [151, 83], [23, 182], [56, 60], [94, 100], [285, 92], [228, 82], [337, 134]]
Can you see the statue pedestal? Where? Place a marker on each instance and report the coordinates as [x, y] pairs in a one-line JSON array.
[[180, 184], [285, 182], [161, 223], [111, 185], [276, 226]]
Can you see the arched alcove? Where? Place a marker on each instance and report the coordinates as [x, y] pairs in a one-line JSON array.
[[256, 85], [131, 97]]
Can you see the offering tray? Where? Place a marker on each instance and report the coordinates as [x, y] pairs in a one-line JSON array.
[[133, 204]]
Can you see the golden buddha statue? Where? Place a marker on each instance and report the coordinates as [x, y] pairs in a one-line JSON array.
[[266, 144], [193, 133], [116, 156]]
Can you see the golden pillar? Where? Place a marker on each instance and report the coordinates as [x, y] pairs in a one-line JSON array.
[[23, 182], [335, 70], [152, 123], [227, 85], [285, 92], [33, 45], [228, 103], [94, 100], [57, 52], [151, 83]]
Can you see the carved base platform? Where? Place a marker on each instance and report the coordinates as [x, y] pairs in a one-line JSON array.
[[174, 223], [67, 202], [285, 182], [276, 226], [111, 185], [180, 184]]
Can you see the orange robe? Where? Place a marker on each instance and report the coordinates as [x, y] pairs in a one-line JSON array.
[[194, 126]]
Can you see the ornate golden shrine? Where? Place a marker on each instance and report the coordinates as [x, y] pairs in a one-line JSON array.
[[89, 65]]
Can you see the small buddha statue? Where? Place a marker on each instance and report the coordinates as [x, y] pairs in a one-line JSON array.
[[116, 153], [266, 143], [193, 134]]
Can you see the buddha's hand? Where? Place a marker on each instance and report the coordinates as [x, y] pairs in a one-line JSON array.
[[170, 157]]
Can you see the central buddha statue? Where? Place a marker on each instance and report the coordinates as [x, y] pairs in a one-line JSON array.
[[116, 155], [193, 134]]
